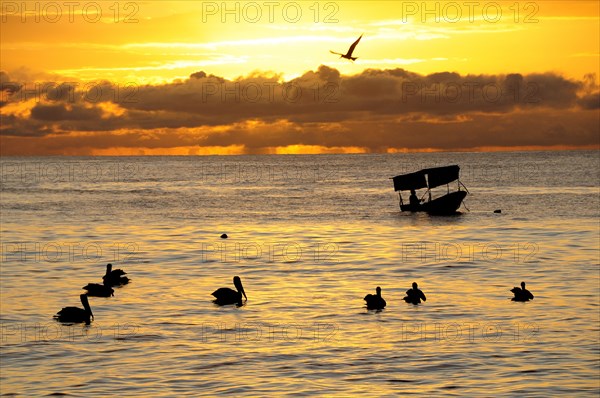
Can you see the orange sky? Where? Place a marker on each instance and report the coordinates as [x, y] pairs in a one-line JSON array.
[[127, 66]]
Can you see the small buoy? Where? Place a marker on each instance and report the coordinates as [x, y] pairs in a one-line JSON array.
[[224, 236], [498, 211]]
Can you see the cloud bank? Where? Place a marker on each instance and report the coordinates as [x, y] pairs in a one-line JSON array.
[[378, 110]]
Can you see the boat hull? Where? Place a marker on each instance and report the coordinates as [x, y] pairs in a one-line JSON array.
[[444, 205]]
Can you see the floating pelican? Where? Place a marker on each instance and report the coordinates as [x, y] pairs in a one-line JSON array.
[[375, 301], [74, 314], [98, 290], [114, 277], [414, 295], [348, 55], [521, 294], [225, 295]]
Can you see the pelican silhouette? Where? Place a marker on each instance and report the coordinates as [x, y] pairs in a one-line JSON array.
[[375, 301], [521, 294], [414, 295], [225, 295], [114, 277], [98, 290], [74, 314], [348, 55]]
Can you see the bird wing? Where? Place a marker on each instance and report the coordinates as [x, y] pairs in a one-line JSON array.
[[353, 46], [65, 310], [223, 292]]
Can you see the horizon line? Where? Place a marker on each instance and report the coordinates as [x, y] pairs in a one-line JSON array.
[[491, 149]]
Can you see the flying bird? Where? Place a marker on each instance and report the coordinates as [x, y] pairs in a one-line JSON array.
[[348, 55], [225, 295]]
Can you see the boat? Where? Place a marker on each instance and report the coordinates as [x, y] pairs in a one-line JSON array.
[[431, 178]]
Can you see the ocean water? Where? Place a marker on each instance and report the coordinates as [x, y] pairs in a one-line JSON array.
[[310, 236]]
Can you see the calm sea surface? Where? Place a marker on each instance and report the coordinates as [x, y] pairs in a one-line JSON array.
[[310, 236]]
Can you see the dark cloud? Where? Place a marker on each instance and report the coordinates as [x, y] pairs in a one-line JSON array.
[[7, 88], [61, 112], [590, 101], [198, 75], [376, 109]]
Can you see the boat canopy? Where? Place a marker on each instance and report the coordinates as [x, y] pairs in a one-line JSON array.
[[436, 176]]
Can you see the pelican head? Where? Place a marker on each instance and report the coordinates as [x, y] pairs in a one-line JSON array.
[[86, 304], [378, 290], [108, 268], [237, 282], [523, 285], [414, 285]]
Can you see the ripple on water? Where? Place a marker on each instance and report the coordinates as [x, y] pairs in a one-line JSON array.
[[305, 328]]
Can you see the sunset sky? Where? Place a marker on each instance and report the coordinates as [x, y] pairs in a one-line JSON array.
[[178, 78]]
